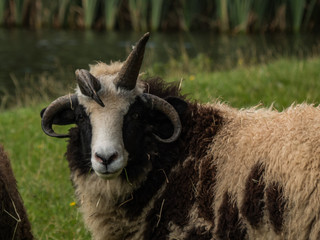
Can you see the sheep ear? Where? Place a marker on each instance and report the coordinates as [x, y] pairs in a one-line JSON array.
[[179, 104], [89, 85]]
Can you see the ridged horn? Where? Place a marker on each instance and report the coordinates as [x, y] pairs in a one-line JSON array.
[[60, 104], [166, 108], [127, 77], [89, 85]]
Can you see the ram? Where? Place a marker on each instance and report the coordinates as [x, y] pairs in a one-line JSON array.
[[14, 223], [146, 163]]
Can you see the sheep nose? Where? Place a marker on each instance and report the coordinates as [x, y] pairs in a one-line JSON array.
[[106, 159]]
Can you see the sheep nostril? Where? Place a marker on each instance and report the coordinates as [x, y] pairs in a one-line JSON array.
[[99, 158], [108, 159], [113, 157]]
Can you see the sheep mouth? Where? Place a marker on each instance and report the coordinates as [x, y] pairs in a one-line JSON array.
[[109, 175], [108, 171]]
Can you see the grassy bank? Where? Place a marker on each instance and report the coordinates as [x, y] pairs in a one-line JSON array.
[[280, 82], [42, 172]]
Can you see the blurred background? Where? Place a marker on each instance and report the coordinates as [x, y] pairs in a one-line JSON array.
[[164, 15], [45, 39], [243, 52]]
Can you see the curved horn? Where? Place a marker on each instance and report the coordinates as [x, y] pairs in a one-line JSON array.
[[89, 85], [166, 108], [127, 77], [60, 104]]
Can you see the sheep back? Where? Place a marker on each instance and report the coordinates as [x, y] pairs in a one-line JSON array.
[[268, 168], [14, 223]]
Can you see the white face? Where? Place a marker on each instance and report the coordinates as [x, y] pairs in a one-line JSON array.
[[108, 155]]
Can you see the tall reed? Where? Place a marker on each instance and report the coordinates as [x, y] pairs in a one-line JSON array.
[[156, 13], [36, 12], [89, 11], [190, 8], [110, 12], [45, 10], [20, 7], [297, 9], [239, 13], [63, 7], [138, 13], [259, 7], [222, 13], [309, 10], [2, 10]]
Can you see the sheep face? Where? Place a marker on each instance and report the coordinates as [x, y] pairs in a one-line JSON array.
[[108, 155], [105, 99]]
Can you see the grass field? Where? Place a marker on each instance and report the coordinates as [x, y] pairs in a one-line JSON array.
[[42, 172]]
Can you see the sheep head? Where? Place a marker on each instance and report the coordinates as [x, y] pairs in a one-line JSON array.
[[102, 101]]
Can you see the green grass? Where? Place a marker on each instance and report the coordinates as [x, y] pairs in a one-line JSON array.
[[41, 169], [42, 174], [280, 82]]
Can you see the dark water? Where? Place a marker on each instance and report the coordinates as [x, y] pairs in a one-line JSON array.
[[25, 52]]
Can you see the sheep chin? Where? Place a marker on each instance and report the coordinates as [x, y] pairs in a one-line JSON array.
[[109, 176]]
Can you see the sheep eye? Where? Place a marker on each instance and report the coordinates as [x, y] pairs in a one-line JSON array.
[[135, 116]]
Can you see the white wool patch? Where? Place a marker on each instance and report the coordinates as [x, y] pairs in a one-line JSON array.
[[99, 203]]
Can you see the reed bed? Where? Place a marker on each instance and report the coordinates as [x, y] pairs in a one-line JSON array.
[[162, 15]]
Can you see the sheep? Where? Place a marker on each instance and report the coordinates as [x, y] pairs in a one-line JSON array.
[[147, 163], [14, 222]]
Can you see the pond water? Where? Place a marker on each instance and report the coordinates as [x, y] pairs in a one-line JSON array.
[[25, 52]]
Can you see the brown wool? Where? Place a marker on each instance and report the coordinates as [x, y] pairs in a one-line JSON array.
[[14, 223]]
